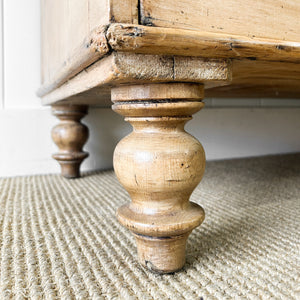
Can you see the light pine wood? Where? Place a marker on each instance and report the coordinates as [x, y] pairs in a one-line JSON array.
[[64, 27], [120, 68], [125, 11], [249, 78], [274, 19], [159, 164], [70, 135], [157, 92], [98, 13], [68, 27], [261, 79], [154, 59], [175, 43], [93, 48], [171, 41]]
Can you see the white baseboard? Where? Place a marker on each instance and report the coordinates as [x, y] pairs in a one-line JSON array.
[[26, 144]]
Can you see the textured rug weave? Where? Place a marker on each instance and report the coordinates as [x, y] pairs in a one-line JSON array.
[[59, 239]]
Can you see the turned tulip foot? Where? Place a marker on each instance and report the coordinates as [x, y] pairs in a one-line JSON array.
[[160, 165], [70, 135]]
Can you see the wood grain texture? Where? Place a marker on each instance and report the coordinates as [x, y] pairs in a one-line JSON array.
[[67, 28], [159, 177], [274, 19], [70, 135], [170, 41], [93, 48], [249, 79], [64, 27], [127, 68], [157, 92], [261, 79], [125, 11]]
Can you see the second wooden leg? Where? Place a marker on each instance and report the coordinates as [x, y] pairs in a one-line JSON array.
[[70, 135]]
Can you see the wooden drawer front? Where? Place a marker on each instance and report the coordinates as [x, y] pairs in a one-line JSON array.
[[274, 19]]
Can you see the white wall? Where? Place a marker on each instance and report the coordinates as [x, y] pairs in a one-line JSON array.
[[1, 55], [227, 128]]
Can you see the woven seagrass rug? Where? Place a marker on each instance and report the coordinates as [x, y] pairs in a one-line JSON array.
[[59, 239]]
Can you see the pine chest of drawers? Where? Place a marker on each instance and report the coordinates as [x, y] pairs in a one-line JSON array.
[[155, 59]]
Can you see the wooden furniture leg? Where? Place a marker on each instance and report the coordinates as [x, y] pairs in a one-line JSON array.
[[70, 135], [160, 165]]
